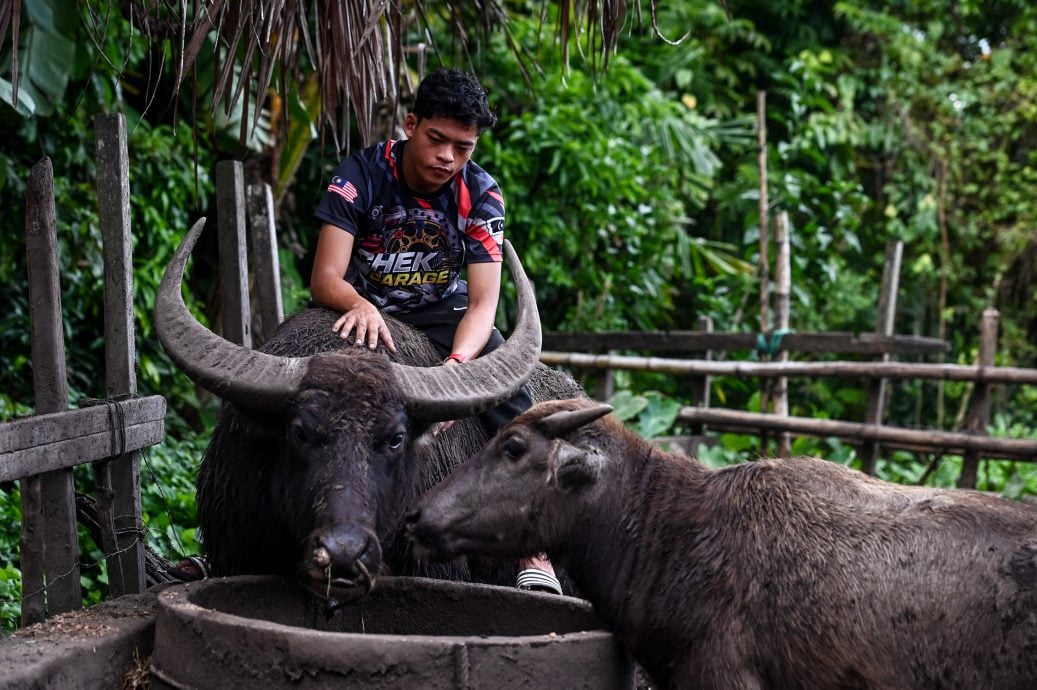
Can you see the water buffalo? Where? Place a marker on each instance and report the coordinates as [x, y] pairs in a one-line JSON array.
[[795, 573], [323, 445]]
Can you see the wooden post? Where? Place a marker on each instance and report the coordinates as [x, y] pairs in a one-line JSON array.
[[266, 264], [979, 411], [700, 385], [118, 479], [783, 302], [233, 269], [605, 383], [887, 312], [48, 500]]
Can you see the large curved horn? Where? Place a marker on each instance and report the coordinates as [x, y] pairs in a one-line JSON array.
[[453, 392], [254, 379], [238, 374]]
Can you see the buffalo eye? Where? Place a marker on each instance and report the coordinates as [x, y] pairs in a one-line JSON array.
[[392, 442], [395, 442], [306, 429], [297, 432], [513, 448]]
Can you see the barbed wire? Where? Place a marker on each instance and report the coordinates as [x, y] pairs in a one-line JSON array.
[[169, 536]]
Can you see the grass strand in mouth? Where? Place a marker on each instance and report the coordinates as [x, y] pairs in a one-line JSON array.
[[368, 580]]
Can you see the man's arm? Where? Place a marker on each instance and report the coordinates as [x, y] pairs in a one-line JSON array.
[[483, 292], [476, 325], [330, 289]]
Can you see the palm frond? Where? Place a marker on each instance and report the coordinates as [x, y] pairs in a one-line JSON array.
[[356, 47]]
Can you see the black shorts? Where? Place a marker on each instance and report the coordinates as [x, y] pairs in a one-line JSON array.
[[438, 321]]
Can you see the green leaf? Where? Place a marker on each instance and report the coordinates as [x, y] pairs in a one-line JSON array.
[[49, 59], [26, 106], [52, 16], [659, 416], [626, 405]]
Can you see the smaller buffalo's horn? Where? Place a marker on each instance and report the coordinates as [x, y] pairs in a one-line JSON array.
[[560, 424]]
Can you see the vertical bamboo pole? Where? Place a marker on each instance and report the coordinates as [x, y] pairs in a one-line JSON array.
[[979, 412], [761, 141], [944, 275], [783, 302], [700, 385], [605, 382], [887, 312], [764, 240]]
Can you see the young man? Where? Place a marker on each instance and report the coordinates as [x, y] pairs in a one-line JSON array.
[[400, 220]]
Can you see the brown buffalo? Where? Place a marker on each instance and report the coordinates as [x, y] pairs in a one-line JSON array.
[[796, 573]]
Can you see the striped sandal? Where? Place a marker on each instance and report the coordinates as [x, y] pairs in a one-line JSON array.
[[536, 580], [190, 569]]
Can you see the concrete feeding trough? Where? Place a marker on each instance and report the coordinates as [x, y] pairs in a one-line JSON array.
[[257, 631]]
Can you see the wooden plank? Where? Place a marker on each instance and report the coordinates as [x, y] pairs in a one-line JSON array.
[[86, 448], [118, 479], [42, 429], [887, 311], [265, 262], [942, 441], [867, 370], [72, 437], [56, 491], [698, 341], [233, 267]]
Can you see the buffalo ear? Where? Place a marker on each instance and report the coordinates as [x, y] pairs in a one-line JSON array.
[[422, 432], [574, 468]]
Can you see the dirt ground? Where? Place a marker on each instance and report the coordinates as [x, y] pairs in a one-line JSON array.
[[104, 646]]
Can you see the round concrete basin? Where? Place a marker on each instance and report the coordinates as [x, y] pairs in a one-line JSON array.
[[258, 631]]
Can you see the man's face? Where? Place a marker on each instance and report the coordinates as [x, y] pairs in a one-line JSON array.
[[438, 148]]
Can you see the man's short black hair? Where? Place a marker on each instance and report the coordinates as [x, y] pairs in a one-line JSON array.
[[456, 95]]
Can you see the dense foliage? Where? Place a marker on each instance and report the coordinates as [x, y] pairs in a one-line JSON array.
[[632, 198]]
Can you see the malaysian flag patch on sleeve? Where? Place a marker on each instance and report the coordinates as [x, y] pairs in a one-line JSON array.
[[344, 188]]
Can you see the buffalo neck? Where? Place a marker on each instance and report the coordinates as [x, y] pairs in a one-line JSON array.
[[624, 546]]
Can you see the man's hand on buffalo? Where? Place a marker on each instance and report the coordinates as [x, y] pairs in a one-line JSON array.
[[367, 321]]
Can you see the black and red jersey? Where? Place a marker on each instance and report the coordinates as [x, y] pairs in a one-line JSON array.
[[410, 248]]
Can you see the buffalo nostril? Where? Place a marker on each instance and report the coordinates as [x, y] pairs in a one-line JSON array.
[[343, 556], [412, 518]]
